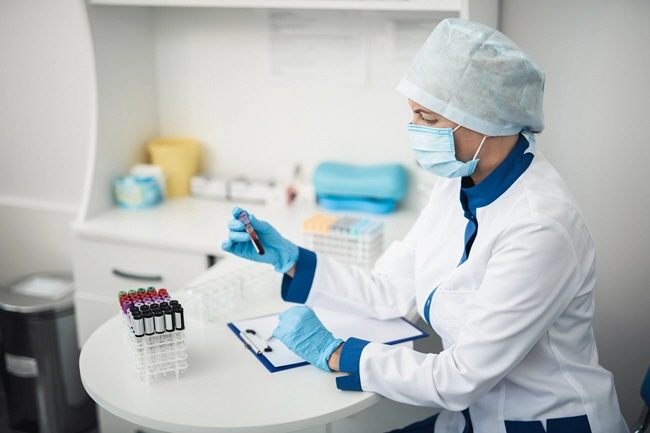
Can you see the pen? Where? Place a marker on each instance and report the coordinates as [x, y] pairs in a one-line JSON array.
[[249, 343]]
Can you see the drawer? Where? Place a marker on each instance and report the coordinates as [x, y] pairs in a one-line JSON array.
[[105, 268]]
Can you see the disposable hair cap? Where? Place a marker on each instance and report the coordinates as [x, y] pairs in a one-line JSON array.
[[477, 77]]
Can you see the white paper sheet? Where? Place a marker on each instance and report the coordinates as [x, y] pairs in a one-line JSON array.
[[340, 325]]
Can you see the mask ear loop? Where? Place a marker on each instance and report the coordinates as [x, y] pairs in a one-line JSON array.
[[479, 147]]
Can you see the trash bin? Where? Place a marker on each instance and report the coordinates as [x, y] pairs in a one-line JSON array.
[[39, 357]]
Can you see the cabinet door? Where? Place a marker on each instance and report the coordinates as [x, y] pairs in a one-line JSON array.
[[91, 311]]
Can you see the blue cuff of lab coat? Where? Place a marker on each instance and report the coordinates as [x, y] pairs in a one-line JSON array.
[[297, 289], [349, 363]]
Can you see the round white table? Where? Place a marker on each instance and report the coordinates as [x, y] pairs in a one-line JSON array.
[[224, 388]]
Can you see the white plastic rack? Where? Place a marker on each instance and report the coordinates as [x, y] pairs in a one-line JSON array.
[[353, 240], [218, 298], [156, 355]]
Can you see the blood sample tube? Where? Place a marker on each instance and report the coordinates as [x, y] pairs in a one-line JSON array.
[[133, 310], [179, 318], [169, 319], [126, 306], [149, 327], [243, 217], [138, 324], [159, 321]]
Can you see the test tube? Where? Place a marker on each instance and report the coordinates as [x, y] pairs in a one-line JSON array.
[[138, 324], [159, 322], [149, 327], [179, 318], [126, 306], [243, 217], [169, 319]]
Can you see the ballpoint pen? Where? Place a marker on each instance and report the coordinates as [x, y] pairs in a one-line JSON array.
[[249, 343], [266, 348]]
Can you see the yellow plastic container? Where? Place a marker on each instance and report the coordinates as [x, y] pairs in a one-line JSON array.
[[179, 158]]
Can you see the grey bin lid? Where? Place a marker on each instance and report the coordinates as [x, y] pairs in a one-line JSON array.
[[44, 292]]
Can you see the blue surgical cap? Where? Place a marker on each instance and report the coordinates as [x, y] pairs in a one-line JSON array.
[[477, 77]]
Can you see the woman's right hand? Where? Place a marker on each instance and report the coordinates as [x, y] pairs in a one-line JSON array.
[[278, 251]]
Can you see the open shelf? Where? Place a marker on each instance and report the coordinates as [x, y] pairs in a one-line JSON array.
[[388, 5]]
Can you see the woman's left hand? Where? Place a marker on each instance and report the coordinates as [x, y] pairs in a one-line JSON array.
[[304, 334]]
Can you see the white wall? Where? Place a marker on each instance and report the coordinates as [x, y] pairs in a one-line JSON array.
[[45, 105], [596, 56], [214, 84]]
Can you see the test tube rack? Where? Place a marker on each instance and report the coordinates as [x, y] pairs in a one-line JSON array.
[[158, 352], [354, 240], [217, 298]]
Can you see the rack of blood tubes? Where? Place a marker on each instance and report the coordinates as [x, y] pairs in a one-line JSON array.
[[152, 325], [355, 240]]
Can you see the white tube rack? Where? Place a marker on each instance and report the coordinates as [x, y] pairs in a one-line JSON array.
[[156, 355], [358, 241]]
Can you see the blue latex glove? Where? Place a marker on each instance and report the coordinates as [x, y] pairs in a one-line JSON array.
[[304, 334], [279, 252]]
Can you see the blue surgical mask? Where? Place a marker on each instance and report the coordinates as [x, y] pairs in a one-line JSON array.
[[434, 150]]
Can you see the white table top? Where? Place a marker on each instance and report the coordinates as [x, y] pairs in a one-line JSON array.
[[224, 389]]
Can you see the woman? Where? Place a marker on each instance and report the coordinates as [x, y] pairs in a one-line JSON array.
[[500, 262]]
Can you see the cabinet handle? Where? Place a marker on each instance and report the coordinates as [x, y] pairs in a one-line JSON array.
[[137, 277]]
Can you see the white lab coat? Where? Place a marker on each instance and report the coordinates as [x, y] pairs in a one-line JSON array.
[[515, 318]]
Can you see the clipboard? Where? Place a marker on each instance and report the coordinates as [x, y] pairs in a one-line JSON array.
[[341, 325]]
